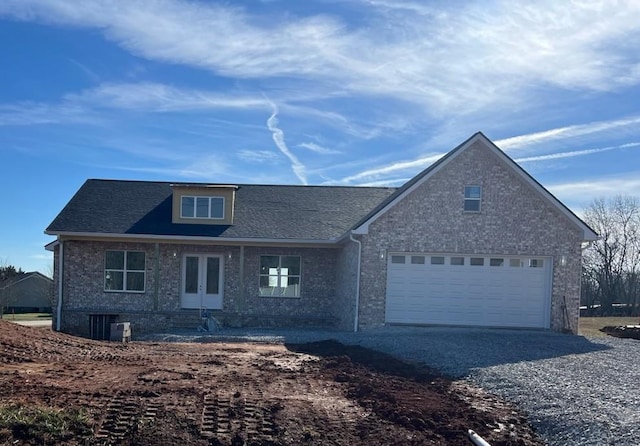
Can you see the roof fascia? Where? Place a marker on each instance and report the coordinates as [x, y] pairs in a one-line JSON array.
[[22, 279], [51, 246], [191, 239]]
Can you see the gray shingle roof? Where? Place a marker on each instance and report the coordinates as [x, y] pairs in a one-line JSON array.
[[261, 211]]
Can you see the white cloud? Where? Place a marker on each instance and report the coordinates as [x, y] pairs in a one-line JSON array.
[[258, 156], [148, 96], [575, 153], [317, 148], [396, 182], [278, 138], [463, 58], [86, 106], [568, 132], [88, 72], [31, 113], [373, 176], [42, 257], [578, 194], [207, 168]]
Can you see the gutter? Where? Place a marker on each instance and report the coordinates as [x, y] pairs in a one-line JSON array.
[[60, 277], [190, 239], [355, 319]]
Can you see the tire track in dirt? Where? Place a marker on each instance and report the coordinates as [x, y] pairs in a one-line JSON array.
[[228, 394], [121, 416], [229, 414]]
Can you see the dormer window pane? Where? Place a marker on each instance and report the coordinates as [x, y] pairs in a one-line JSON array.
[[188, 206], [217, 207], [202, 207]]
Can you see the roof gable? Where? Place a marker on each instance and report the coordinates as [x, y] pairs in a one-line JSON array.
[[362, 227], [26, 276]]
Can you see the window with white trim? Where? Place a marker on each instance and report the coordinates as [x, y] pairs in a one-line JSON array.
[[472, 198], [124, 271], [201, 207], [280, 276]]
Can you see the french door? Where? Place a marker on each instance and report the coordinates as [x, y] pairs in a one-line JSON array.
[[202, 279]]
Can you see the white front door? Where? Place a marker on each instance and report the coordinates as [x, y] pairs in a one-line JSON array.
[[202, 278]]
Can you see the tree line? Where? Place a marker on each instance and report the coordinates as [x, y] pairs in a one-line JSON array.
[[7, 274], [611, 265]]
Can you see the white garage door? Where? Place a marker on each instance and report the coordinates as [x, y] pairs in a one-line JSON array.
[[490, 291]]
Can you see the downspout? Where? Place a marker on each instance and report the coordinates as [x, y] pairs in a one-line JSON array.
[[355, 319], [156, 278], [60, 278]]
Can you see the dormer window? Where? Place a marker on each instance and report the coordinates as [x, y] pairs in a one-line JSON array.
[[202, 207], [203, 204]]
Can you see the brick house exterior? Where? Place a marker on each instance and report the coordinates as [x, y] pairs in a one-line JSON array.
[[341, 242]]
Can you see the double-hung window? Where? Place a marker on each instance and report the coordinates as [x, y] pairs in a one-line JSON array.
[[202, 207], [280, 276], [124, 271], [472, 198]]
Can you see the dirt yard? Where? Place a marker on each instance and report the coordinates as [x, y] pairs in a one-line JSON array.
[[243, 394]]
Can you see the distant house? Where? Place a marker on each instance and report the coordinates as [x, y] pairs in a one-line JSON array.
[[473, 240], [27, 293]]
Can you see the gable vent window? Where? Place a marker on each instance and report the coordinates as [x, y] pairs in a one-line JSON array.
[[202, 207], [472, 198]]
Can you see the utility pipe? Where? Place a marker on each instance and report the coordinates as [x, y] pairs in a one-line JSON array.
[[60, 277], [477, 439], [355, 319]]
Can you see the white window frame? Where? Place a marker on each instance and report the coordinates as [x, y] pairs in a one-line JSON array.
[[469, 199], [195, 207], [281, 277], [125, 272]]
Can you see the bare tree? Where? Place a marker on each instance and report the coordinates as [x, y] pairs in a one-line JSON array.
[[612, 265], [7, 273]]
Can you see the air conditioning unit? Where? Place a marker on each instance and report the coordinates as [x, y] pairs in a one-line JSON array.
[[121, 331]]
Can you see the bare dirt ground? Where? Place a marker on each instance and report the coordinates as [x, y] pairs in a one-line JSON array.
[[322, 393]]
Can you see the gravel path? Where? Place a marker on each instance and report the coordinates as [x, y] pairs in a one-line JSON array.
[[575, 390]]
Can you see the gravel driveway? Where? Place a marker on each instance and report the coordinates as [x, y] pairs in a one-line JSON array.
[[575, 390]]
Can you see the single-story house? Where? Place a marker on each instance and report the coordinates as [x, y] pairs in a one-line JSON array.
[[27, 293], [473, 240]]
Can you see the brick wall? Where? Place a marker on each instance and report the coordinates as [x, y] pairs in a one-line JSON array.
[[514, 220], [316, 303], [159, 307]]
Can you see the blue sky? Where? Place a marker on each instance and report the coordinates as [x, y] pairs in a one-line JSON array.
[[336, 92]]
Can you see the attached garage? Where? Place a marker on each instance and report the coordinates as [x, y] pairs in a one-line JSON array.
[[470, 290]]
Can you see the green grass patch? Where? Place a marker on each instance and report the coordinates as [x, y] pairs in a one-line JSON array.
[[26, 316], [590, 326], [43, 425]]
